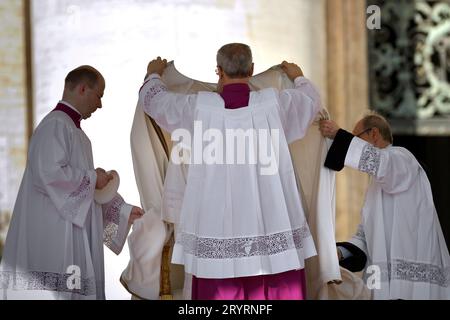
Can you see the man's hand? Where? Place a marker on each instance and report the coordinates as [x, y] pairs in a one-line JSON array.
[[292, 70], [136, 213], [102, 178], [157, 66], [328, 128]]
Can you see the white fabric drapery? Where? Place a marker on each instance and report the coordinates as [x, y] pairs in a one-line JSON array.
[[150, 158]]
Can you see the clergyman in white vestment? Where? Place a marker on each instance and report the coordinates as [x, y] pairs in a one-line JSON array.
[[161, 185], [54, 246], [238, 220], [399, 243]]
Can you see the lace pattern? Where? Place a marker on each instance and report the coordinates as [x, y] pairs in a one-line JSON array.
[[112, 210], [405, 270], [77, 197], [111, 214], [109, 233], [48, 281], [151, 93], [370, 160], [213, 248]]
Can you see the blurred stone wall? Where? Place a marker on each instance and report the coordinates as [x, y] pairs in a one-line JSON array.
[[348, 98], [12, 106]]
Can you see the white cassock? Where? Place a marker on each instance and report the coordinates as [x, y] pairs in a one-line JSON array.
[[54, 246], [150, 159], [400, 231]]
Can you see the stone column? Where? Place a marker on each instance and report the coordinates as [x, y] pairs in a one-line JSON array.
[[13, 106], [347, 89]]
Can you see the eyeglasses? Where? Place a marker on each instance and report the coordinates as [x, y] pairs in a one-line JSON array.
[[365, 131]]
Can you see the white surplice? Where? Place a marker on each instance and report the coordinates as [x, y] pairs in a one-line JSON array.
[[236, 221], [150, 160], [316, 185], [400, 230], [54, 246]]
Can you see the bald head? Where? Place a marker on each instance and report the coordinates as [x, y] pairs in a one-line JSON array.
[[236, 61], [84, 74], [375, 129], [84, 88]]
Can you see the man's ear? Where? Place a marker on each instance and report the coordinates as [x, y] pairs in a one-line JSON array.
[[252, 70], [375, 134], [81, 89], [220, 72]]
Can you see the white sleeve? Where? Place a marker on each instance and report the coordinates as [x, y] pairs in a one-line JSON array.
[[298, 108], [70, 189], [359, 240], [116, 214], [345, 253], [393, 169], [170, 110]]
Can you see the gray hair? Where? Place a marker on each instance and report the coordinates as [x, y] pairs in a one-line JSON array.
[[375, 120], [236, 60]]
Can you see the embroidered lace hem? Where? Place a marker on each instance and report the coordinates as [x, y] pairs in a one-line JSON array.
[[213, 248], [415, 272], [112, 219], [47, 281]]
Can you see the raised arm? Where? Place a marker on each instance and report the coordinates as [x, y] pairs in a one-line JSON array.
[[298, 106], [395, 169], [170, 110]]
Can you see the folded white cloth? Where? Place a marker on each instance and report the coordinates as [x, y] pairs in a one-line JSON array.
[[105, 195]]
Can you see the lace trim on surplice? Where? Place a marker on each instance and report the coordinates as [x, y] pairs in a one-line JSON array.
[[214, 248], [77, 197], [48, 281], [370, 160], [399, 269], [111, 214]]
